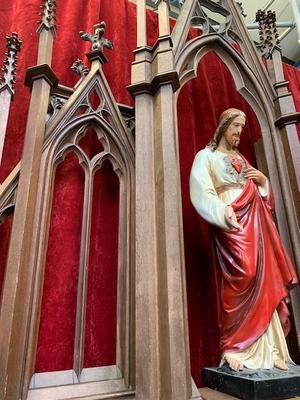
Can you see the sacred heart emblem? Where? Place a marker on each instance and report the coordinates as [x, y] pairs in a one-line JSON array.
[[236, 163]]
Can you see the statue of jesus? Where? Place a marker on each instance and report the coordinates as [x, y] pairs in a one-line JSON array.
[[255, 270]]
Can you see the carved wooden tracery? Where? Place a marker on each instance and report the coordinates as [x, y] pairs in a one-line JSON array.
[[64, 131]]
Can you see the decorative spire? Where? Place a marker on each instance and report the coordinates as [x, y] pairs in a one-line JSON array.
[[97, 39], [48, 16], [163, 7], [13, 45], [268, 33], [79, 68], [157, 3]]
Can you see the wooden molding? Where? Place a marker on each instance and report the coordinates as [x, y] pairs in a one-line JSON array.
[[42, 71], [97, 55], [169, 78], [158, 81], [156, 65], [287, 119]]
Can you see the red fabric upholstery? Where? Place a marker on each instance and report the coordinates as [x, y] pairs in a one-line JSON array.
[[292, 75], [100, 344], [57, 326]]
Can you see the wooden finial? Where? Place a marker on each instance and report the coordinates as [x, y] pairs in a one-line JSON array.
[[48, 16], [13, 45], [157, 2], [141, 32], [268, 33], [79, 68], [97, 39], [163, 17]]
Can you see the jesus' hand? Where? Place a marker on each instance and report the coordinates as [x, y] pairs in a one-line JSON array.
[[257, 176], [231, 219]]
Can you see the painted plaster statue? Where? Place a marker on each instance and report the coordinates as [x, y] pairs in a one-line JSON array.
[[255, 270]]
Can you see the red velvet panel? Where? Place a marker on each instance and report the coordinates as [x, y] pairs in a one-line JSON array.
[[57, 324], [199, 105], [292, 75], [100, 343], [90, 144], [5, 229]]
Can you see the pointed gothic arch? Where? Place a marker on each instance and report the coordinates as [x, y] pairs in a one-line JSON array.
[[257, 96]]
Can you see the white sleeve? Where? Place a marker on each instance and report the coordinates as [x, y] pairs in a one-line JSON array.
[[203, 194], [264, 190]]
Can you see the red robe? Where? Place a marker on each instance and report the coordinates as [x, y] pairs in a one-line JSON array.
[[256, 272]]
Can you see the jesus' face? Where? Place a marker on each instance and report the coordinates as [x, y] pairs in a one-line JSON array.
[[232, 134]]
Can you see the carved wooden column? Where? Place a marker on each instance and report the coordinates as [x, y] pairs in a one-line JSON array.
[[13, 45], [17, 292], [287, 117], [162, 349]]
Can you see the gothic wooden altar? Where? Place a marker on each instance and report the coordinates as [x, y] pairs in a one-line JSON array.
[[133, 154]]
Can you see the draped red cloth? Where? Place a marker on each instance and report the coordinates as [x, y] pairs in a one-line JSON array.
[[292, 75], [199, 105], [256, 271]]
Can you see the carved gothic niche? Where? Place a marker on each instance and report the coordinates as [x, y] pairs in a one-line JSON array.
[[251, 82], [230, 41], [87, 134]]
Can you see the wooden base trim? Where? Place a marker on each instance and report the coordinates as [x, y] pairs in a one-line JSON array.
[[109, 389]]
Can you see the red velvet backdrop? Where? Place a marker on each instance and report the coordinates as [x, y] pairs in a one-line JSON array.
[[57, 327], [200, 103], [292, 75]]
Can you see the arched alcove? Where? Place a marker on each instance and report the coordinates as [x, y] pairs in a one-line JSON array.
[[58, 310], [100, 302], [246, 83], [101, 314], [211, 83]]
